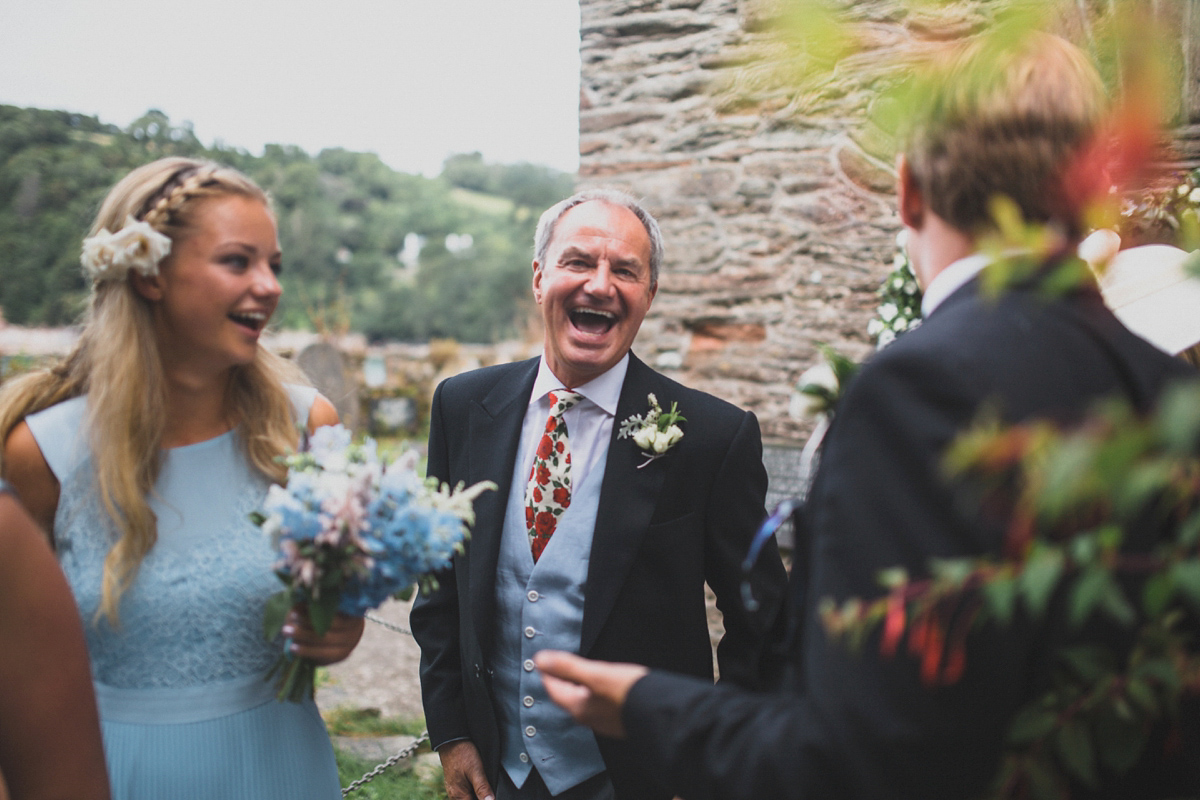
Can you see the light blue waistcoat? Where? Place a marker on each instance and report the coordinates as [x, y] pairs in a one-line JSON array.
[[540, 607]]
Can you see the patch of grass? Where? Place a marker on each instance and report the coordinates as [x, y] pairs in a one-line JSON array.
[[393, 784], [368, 722]]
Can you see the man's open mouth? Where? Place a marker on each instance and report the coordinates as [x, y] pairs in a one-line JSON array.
[[593, 321]]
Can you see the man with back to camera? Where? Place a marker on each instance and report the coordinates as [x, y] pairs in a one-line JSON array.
[[599, 540], [857, 724]]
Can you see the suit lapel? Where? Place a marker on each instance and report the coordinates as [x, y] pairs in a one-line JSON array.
[[494, 432], [628, 497]]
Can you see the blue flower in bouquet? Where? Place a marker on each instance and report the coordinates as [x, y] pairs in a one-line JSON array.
[[352, 531]]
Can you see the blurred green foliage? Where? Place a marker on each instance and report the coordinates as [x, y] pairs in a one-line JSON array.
[[344, 219]]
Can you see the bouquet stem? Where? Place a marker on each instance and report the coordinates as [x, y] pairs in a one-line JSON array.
[[297, 678]]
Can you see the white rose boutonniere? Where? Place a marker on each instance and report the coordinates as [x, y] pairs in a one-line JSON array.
[[656, 432]]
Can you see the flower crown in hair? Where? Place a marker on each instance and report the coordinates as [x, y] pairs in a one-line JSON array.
[[137, 246]]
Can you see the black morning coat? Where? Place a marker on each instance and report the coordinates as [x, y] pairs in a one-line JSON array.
[[863, 726], [662, 531]]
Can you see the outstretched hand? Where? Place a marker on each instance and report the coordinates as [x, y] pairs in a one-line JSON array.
[[593, 692]]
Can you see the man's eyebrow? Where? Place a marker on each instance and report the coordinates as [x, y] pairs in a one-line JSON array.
[[571, 251], [574, 252]]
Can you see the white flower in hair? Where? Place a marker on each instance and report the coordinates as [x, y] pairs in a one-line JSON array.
[[137, 246]]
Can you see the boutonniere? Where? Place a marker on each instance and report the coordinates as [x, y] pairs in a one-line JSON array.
[[656, 432]]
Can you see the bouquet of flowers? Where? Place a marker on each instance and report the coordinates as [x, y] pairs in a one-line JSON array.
[[352, 531]]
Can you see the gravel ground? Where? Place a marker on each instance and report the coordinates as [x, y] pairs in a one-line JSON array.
[[381, 673]]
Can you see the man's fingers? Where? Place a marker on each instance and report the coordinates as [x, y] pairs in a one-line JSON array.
[[571, 696], [593, 692], [560, 664], [480, 784]]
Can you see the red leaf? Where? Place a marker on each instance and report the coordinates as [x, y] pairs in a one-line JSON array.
[[893, 626]]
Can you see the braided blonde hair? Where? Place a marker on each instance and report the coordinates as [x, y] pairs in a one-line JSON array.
[[116, 362]]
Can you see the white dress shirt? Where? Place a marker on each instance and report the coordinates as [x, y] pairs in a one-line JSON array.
[[947, 282], [589, 422]]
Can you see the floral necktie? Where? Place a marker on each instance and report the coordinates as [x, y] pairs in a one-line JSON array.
[[548, 493]]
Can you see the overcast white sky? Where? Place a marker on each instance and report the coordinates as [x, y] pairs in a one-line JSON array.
[[411, 80]]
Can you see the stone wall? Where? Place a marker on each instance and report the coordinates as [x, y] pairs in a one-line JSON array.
[[779, 223], [778, 226]]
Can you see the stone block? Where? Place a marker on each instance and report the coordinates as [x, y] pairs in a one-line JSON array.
[[674, 22], [706, 182], [602, 119], [667, 87]]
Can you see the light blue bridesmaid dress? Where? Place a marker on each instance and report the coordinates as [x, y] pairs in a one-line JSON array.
[[184, 708]]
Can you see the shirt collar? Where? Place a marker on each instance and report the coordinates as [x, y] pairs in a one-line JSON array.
[[603, 390], [951, 279]]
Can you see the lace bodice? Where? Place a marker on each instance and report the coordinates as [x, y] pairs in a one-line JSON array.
[[194, 612]]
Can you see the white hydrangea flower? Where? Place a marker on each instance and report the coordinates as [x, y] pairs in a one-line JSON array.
[[1194, 197], [888, 312], [886, 338]]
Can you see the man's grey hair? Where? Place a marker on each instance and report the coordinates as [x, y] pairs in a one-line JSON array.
[[551, 216]]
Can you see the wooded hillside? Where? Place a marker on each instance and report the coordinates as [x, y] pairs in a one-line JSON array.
[[365, 247]]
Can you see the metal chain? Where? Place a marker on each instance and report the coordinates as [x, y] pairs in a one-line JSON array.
[[407, 751], [375, 773], [387, 624]]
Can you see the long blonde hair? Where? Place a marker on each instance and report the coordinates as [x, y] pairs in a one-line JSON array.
[[116, 363]]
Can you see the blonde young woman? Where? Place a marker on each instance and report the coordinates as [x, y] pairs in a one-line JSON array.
[[143, 454]]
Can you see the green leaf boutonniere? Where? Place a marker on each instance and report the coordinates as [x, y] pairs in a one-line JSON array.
[[656, 432]]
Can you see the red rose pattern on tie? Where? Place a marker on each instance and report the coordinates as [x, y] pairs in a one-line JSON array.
[[549, 491]]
